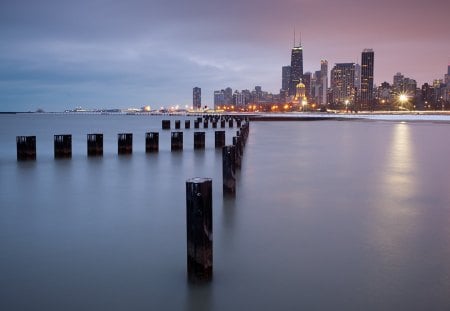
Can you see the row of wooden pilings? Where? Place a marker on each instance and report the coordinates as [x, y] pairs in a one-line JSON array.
[[198, 190], [199, 209], [214, 120], [26, 145]]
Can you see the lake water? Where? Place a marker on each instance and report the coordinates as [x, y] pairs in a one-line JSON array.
[[329, 215]]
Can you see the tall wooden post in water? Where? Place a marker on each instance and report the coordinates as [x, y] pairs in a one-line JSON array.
[[26, 148], [152, 142], [63, 146], [94, 145], [219, 139], [199, 140], [229, 170], [125, 143], [165, 124], [199, 229], [176, 141]]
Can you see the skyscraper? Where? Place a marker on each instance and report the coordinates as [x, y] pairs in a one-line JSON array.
[[285, 77], [296, 68], [324, 77], [367, 63], [343, 83], [197, 98]]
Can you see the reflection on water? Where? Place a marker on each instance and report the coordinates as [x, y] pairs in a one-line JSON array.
[[327, 215], [396, 216], [399, 177]]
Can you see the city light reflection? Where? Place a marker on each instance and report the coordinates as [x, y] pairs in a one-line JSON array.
[[395, 212]]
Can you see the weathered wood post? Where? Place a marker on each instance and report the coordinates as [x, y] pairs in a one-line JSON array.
[[237, 151], [26, 148], [176, 141], [166, 124], [94, 145], [199, 229], [199, 140], [229, 170], [187, 124], [152, 142], [177, 124], [125, 143], [240, 143], [63, 146], [219, 141]]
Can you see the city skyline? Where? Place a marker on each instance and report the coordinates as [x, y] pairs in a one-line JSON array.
[[113, 54]]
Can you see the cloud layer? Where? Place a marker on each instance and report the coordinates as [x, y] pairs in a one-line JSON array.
[[108, 53]]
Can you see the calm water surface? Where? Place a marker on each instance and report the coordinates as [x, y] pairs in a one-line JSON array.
[[330, 215]]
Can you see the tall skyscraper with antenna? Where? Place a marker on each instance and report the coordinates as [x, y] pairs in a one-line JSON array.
[[296, 66], [367, 66]]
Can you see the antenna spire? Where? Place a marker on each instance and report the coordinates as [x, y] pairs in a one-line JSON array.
[[294, 35], [300, 43]]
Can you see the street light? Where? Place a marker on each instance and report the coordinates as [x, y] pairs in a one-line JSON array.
[[403, 98]]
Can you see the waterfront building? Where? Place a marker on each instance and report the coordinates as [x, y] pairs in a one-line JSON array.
[[219, 99], [343, 84], [197, 98], [285, 77], [366, 88], [306, 80], [324, 78], [296, 68]]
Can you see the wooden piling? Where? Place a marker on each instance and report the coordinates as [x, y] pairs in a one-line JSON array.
[[199, 140], [151, 142], [94, 145], [199, 229], [62, 146], [125, 143], [237, 158], [229, 170], [166, 124], [26, 148], [219, 140], [176, 141]]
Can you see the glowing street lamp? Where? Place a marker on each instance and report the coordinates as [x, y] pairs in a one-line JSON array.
[[403, 99]]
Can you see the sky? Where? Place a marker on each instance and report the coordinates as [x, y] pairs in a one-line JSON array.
[[58, 54]]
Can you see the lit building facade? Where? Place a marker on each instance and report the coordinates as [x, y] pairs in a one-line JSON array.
[[367, 68], [343, 84], [197, 98], [324, 78], [285, 77], [296, 68]]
